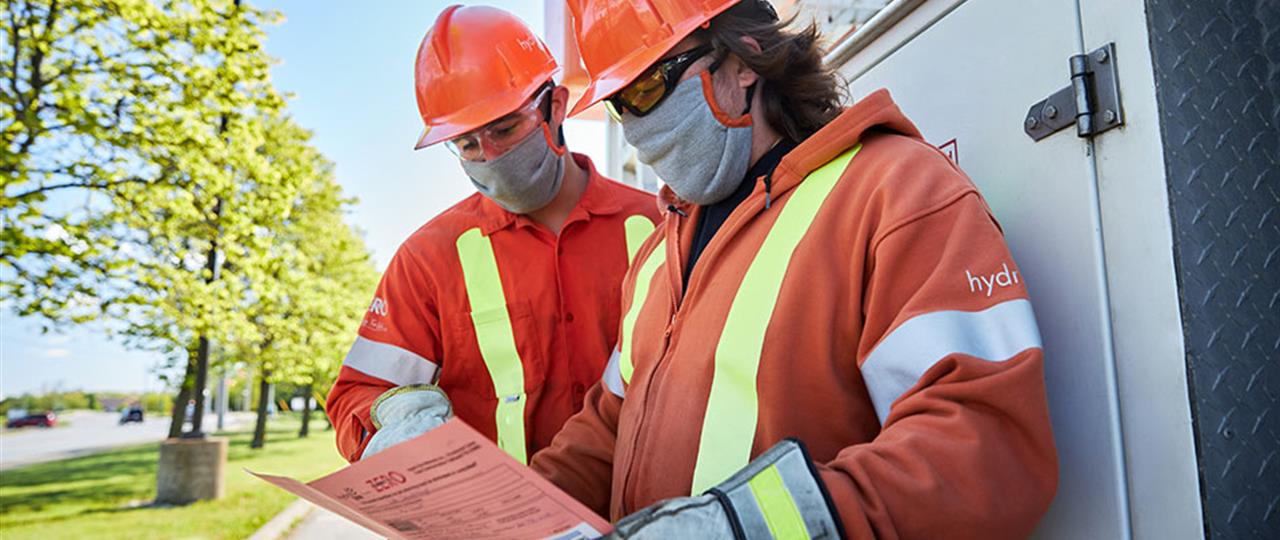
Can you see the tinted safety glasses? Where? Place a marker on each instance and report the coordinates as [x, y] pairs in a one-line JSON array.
[[655, 84]]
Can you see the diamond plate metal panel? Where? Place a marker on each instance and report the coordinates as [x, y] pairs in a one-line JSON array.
[[1217, 68]]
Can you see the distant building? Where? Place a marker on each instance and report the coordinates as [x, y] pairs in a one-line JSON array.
[[113, 404]]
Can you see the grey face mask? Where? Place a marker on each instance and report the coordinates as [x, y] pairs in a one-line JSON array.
[[701, 159], [522, 180]]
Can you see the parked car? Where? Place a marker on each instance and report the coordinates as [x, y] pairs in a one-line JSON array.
[[46, 419], [132, 414]]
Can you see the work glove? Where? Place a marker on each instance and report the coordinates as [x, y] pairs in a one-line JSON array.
[[779, 495], [404, 412]]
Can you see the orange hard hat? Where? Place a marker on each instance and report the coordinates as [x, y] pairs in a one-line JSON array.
[[618, 40], [476, 64]]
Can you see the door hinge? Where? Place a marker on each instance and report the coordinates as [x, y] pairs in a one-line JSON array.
[[1091, 101]]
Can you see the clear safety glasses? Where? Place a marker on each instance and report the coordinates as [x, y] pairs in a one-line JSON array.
[[497, 137]]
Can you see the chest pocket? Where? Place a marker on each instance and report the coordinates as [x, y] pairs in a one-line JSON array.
[[494, 321]]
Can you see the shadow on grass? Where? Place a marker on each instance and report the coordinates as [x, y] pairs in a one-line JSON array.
[[124, 461], [110, 481]]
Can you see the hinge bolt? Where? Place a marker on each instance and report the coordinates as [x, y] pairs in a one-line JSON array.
[[1031, 122], [1050, 111], [1109, 116], [1101, 56]]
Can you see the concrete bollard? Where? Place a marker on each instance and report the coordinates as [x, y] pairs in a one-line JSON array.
[[190, 470]]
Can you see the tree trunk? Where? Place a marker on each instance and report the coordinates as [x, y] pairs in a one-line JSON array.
[[306, 411], [201, 379], [179, 415], [202, 351], [260, 427]]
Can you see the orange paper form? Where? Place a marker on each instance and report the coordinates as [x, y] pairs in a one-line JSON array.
[[448, 483]]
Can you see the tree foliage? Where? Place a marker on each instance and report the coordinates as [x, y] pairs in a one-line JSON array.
[[153, 178], [110, 106]]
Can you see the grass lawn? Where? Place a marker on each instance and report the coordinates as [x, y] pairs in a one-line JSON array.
[[104, 495]]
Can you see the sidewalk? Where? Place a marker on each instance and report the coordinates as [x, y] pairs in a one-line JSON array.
[[303, 520], [323, 524]]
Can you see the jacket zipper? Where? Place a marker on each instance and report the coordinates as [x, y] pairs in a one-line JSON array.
[[673, 248], [744, 212]]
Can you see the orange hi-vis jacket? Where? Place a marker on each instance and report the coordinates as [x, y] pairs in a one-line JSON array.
[[513, 322], [861, 300]]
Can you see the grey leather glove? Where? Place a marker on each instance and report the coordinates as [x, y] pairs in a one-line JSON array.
[[778, 495], [405, 412], [700, 517]]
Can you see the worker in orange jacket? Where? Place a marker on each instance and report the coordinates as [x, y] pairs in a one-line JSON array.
[[503, 309], [827, 336]]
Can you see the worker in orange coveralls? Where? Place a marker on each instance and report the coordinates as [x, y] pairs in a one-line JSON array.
[[503, 309]]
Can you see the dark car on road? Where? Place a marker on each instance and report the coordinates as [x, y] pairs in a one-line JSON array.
[[47, 419], [132, 414]]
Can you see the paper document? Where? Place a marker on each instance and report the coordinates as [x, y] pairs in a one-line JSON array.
[[448, 483]]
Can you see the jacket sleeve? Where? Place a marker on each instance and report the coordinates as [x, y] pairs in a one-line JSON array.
[[580, 458], [398, 344], [952, 361]]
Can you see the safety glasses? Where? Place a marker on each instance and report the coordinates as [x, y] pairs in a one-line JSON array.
[[655, 84], [497, 137]]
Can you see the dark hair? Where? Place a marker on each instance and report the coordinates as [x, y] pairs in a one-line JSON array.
[[800, 94]]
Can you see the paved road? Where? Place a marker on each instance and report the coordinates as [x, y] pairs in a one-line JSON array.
[[87, 432]]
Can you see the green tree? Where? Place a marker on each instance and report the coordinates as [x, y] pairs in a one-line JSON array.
[[98, 96], [128, 127], [317, 278], [152, 179]]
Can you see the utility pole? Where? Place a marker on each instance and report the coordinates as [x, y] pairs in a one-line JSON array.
[[246, 403], [221, 402]]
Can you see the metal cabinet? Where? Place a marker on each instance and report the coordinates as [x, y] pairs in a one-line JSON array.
[[1150, 250]]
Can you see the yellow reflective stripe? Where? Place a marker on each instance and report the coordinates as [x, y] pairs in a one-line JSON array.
[[777, 506], [496, 338], [729, 425], [626, 365], [638, 228]]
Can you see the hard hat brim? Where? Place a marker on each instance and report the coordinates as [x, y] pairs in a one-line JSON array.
[[619, 75], [478, 114]]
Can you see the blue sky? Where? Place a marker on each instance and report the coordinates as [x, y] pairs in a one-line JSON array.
[[350, 68]]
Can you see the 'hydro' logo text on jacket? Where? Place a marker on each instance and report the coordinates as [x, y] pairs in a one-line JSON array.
[[1003, 278]]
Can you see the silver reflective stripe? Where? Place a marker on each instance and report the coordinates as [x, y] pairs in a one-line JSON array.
[[612, 376], [390, 363], [995, 334]]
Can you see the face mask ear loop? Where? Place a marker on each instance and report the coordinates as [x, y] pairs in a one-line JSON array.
[[708, 94], [559, 149], [751, 90]]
